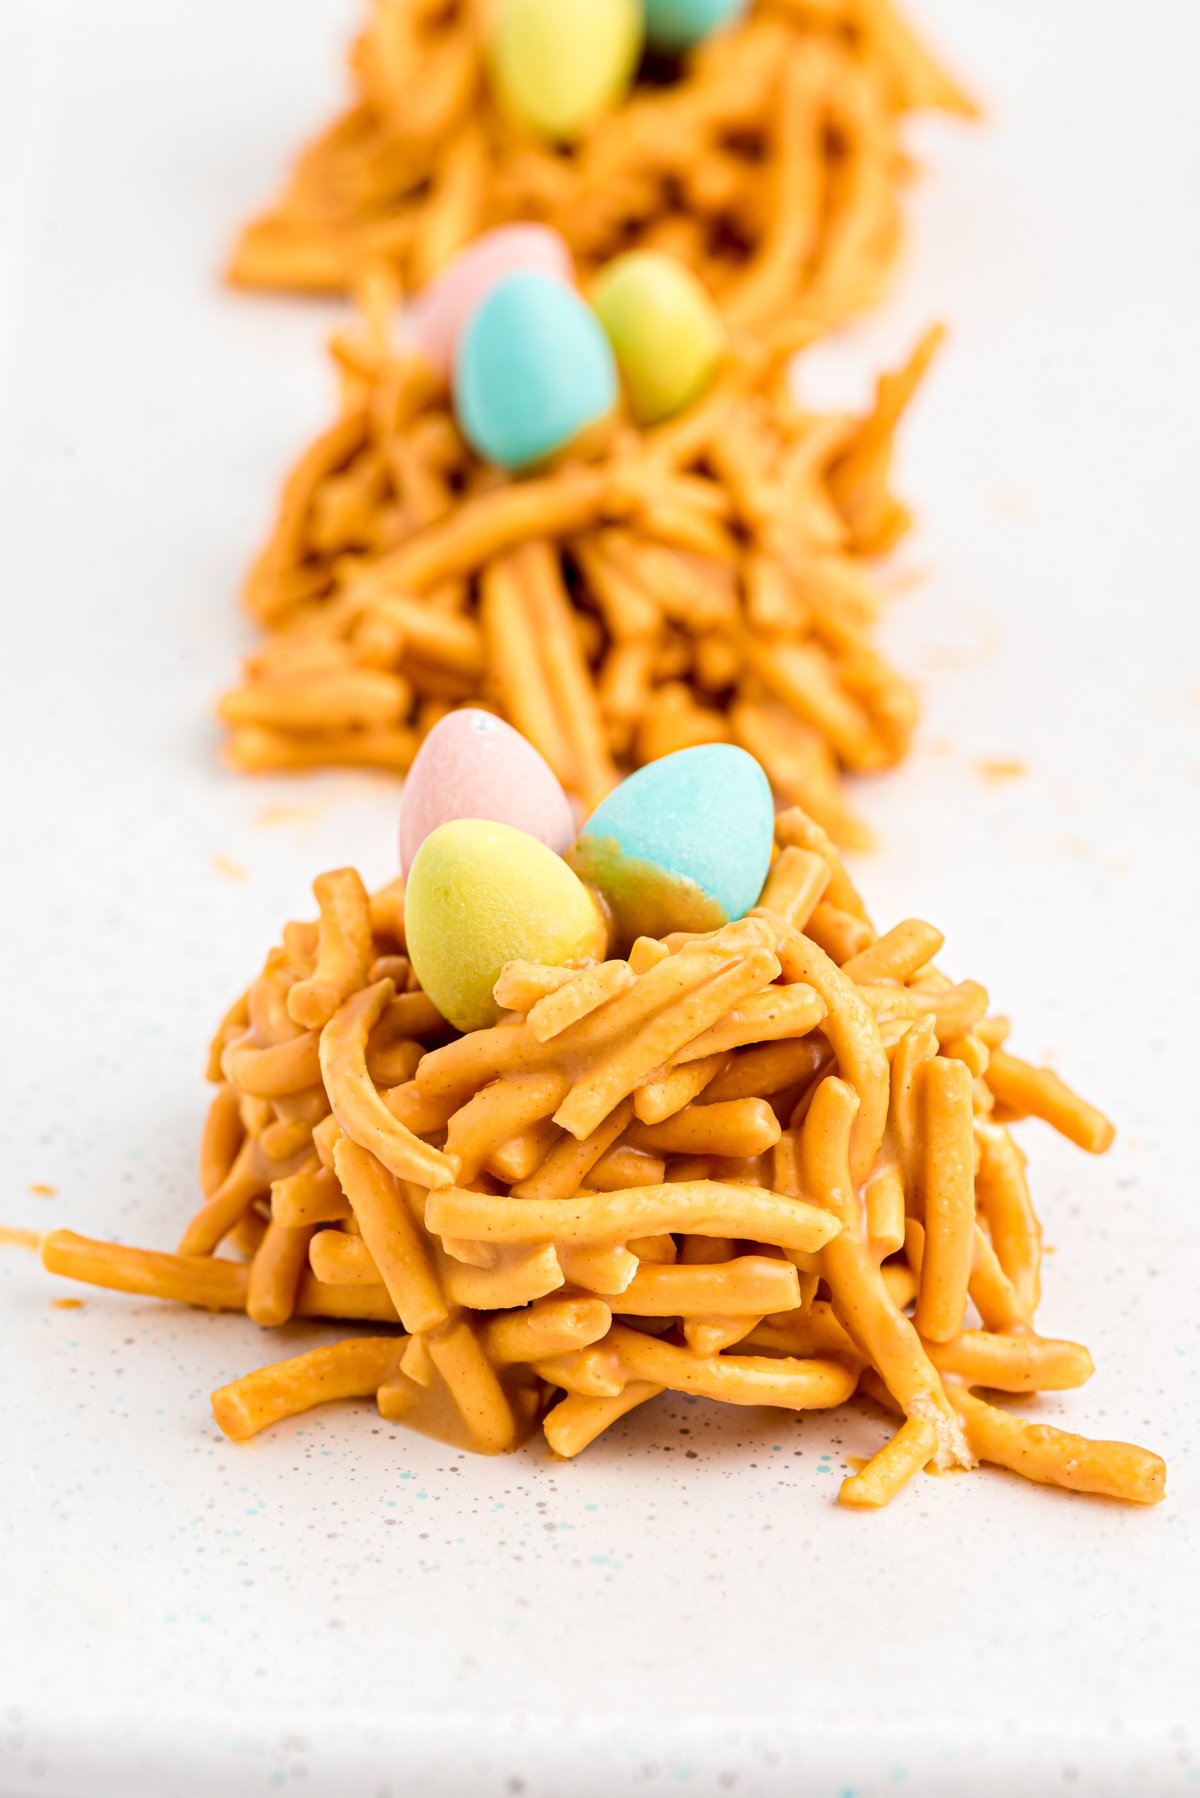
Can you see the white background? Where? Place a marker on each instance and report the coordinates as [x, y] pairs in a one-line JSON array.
[[343, 1609]]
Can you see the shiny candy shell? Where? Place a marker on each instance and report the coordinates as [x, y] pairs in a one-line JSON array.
[[664, 328], [438, 316], [473, 765], [533, 370], [557, 65], [480, 895], [678, 24], [683, 844]]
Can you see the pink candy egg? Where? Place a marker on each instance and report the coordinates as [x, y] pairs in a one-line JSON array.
[[472, 765], [437, 316]]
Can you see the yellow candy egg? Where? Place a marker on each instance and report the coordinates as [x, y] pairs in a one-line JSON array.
[[557, 65], [482, 894], [665, 330]]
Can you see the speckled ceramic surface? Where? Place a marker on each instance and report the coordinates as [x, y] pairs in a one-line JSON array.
[[344, 1611]]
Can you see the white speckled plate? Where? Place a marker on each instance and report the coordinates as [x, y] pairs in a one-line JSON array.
[[341, 1608]]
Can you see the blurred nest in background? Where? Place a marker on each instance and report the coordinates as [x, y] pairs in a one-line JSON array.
[[701, 581], [767, 160]]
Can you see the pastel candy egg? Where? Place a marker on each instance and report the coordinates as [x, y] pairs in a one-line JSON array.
[[436, 318], [683, 844], [557, 65], [678, 24], [533, 370], [473, 765], [481, 894], [664, 328]]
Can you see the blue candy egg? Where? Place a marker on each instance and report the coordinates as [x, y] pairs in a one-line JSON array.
[[683, 844], [678, 24], [532, 370]]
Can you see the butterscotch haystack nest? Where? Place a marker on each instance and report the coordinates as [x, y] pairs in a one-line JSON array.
[[770, 1166], [703, 581], [768, 162]]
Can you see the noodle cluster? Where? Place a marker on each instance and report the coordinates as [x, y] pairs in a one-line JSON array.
[[768, 1165], [768, 162], [702, 581]]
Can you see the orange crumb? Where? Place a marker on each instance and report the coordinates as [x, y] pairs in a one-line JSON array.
[[68, 1304], [20, 1239], [908, 580], [271, 815], [231, 869], [43, 1189], [998, 769], [1011, 500], [979, 644]]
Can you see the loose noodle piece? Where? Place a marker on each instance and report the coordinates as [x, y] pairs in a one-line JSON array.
[[949, 1192], [356, 1103], [276, 1271], [651, 590], [576, 1421], [396, 1245], [910, 1449], [353, 1369], [198, 1280], [1058, 1458], [345, 951], [1036, 1092], [723, 1207], [771, 162]]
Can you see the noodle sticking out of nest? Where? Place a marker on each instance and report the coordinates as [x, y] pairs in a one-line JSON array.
[[769, 162], [698, 581], [770, 1165]]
